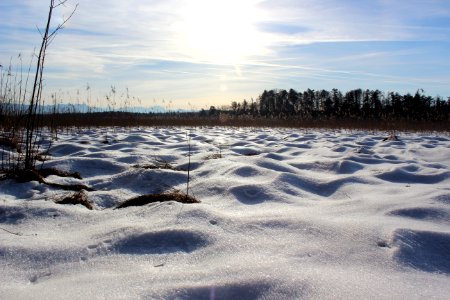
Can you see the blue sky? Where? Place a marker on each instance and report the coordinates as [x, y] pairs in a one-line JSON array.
[[198, 53]]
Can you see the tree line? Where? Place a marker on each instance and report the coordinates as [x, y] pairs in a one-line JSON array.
[[354, 104]]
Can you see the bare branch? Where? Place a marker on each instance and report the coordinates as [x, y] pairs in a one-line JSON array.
[[50, 40], [42, 36], [60, 26], [15, 233], [61, 3]]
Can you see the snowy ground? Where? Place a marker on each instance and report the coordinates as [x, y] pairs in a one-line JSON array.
[[284, 214]]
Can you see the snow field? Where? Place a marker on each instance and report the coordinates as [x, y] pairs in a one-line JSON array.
[[284, 214]]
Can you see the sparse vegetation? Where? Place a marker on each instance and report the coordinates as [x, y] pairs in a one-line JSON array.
[[77, 198], [21, 110], [153, 198], [27, 175], [159, 164]]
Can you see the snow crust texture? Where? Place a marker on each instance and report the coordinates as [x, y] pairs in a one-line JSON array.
[[284, 214]]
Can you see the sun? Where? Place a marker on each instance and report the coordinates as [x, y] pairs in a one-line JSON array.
[[222, 32]]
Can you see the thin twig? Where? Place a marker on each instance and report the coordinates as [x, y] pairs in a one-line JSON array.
[[60, 26], [15, 233], [42, 36], [63, 2]]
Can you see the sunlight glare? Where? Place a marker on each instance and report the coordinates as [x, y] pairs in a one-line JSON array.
[[223, 32]]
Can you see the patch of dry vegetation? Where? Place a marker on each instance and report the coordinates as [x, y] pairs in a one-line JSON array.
[[11, 143], [77, 198], [28, 175], [162, 166], [122, 119], [153, 198], [214, 156]]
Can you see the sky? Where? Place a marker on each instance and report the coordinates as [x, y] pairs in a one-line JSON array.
[[198, 53]]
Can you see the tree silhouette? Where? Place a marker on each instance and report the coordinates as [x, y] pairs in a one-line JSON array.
[[354, 104]]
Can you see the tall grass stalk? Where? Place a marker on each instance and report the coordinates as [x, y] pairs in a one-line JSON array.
[[19, 123], [189, 164]]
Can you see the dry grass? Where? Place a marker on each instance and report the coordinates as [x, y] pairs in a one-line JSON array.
[[11, 143], [153, 198], [214, 156], [22, 176], [27, 175], [391, 137], [194, 120], [160, 166], [123, 119], [77, 198]]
